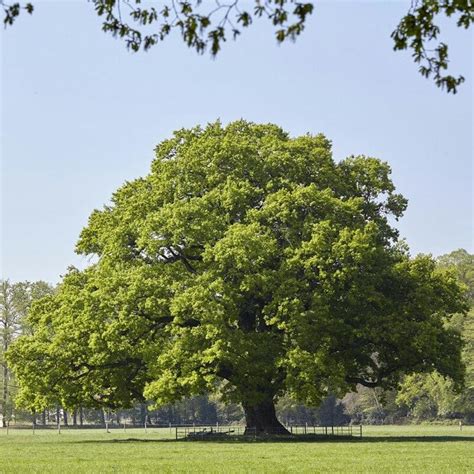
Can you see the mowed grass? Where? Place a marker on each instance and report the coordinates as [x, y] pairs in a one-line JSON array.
[[383, 449]]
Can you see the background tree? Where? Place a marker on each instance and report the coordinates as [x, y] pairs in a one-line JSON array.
[[15, 301], [246, 263], [372, 405], [462, 262], [207, 25], [427, 396], [432, 396]]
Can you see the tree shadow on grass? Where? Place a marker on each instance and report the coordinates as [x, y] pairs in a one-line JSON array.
[[288, 439]]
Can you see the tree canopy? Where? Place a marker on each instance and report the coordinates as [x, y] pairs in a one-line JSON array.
[[247, 263], [207, 25]]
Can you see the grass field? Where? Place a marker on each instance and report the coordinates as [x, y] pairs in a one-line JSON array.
[[383, 449]]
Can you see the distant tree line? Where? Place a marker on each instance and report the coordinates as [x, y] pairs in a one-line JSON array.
[[420, 397]]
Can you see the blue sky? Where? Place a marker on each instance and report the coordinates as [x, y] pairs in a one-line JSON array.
[[80, 115]]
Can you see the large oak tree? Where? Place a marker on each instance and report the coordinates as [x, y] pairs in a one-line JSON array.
[[246, 263]]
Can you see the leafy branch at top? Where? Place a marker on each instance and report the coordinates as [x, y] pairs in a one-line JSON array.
[[12, 10], [199, 30], [207, 25], [418, 31]]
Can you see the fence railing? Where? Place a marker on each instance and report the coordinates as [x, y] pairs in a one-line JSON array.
[[203, 432], [343, 430], [206, 432]]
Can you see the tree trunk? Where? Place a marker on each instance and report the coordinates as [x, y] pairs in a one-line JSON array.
[[142, 413], [5, 394], [6, 320], [102, 417], [261, 418]]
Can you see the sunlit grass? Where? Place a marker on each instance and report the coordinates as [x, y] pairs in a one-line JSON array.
[[423, 449]]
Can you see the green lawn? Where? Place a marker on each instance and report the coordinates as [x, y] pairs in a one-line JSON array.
[[407, 449]]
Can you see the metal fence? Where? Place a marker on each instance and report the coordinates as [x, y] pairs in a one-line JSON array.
[[196, 432], [346, 430]]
